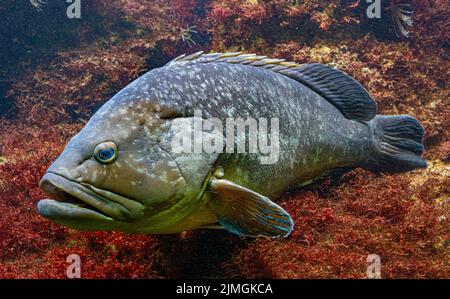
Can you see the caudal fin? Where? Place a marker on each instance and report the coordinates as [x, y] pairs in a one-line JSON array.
[[399, 144]]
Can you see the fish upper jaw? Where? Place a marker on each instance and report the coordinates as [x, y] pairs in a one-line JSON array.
[[81, 201]]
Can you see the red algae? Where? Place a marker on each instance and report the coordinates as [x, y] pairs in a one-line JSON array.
[[339, 220], [360, 214]]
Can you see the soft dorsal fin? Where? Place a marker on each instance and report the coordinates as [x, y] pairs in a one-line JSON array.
[[335, 86], [338, 88]]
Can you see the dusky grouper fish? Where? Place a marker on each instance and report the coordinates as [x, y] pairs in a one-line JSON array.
[[121, 173]]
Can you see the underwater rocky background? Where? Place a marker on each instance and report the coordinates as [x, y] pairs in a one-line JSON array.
[[55, 72]]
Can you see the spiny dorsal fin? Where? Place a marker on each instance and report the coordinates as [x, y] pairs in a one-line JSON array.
[[232, 57], [338, 88]]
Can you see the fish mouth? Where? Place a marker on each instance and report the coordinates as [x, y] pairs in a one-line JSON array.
[[71, 200]]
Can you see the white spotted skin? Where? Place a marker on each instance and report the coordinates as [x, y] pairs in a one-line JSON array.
[[314, 137]]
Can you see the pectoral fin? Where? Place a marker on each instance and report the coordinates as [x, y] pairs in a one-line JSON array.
[[247, 213]]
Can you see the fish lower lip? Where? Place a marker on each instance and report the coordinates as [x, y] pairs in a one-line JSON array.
[[58, 210], [78, 201]]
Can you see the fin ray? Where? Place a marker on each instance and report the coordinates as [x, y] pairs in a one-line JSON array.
[[247, 213], [399, 146]]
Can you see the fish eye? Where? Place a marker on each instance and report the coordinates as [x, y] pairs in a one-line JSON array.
[[106, 152]]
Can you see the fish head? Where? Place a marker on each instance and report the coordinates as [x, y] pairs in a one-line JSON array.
[[114, 174]]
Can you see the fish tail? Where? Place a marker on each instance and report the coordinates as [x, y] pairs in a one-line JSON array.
[[398, 144]]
